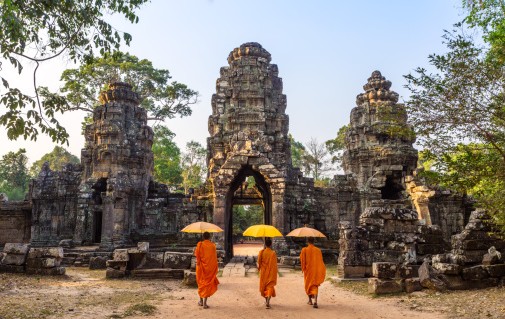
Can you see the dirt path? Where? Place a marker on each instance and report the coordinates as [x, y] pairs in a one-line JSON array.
[[239, 298]]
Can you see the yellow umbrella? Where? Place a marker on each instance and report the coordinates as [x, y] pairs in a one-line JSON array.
[[305, 232], [200, 227], [262, 231]]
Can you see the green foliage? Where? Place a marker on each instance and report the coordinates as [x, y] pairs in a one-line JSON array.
[[489, 17], [336, 146], [297, 152], [245, 216], [459, 116], [56, 159], [167, 157], [474, 169], [193, 165], [38, 31], [14, 174], [161, 98]]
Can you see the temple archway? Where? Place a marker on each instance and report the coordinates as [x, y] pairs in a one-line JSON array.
[[240, 193]]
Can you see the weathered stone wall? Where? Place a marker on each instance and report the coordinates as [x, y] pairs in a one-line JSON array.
[[15, 222], [54, 200], [445, 208]]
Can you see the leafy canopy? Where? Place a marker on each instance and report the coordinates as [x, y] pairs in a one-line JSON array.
[[161, 98], [14, 174], [458, 112], [56, 159], [38, 31], [167, 157]]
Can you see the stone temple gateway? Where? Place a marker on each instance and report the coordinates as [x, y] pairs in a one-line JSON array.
[[111, 199]]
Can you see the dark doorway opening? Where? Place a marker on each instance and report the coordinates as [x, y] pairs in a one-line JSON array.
[[393, 188], [97, 227], [247, 192]]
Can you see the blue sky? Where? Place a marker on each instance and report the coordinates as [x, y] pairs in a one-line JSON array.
[[325, 51]]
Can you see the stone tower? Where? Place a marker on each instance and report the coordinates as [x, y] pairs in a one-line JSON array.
[[117, 165], [248, 134], [379, 151]]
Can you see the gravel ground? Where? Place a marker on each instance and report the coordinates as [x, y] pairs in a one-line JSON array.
[[83, 293]]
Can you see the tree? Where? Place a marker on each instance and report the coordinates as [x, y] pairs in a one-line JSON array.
[[193, 165], [459, 116], [297, 152], [167, 157], [160, 98], [336, 146], [39, 31], [245, 216], [489, 17], [56, 159], [14, 174], [315, 160]]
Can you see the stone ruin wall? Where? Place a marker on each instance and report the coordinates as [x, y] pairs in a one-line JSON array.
[[15, 222]]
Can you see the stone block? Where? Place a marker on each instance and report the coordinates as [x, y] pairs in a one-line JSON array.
[[46, 252], [98, 262], [16, 260], [12, 268], [345, 271], [483, 283], [495, 271], [190, 279], [111, 273], [154, 260], [408, 271], [55, 271], [66, 243], [121, 255], [116, 264], [411, 285], [42, 262], [448, 269], [475, 273], [384, 270], [383, 286], [16, 248], [456, 283], [143, 246], [290, 261], [175, 260], [429, 249]]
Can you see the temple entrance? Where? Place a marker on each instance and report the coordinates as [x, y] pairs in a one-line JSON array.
[[248, 202], [97, 227]]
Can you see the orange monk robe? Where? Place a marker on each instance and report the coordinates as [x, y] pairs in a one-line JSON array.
[[206, 268], [313, 268], [267, 263]]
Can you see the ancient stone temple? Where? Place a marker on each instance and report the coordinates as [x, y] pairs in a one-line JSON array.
[[379, 210], [248, 136], [111, 198], [379, 152]]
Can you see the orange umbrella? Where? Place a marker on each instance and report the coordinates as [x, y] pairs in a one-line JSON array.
[[306, 232], [201, 227], [262, 231]]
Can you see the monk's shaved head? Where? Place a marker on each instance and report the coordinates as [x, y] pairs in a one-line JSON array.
[[268, 242], [310, 240], [206, 235]]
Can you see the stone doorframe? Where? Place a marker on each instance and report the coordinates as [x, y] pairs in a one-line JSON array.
[[228, 178]]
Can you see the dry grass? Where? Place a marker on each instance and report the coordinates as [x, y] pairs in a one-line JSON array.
[[82, 293], [483, 303]]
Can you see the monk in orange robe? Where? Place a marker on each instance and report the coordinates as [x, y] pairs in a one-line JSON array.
[[206, 269], [313, 268], [267, 266]]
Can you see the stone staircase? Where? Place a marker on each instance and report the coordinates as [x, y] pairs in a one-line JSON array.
[[239, 266]]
